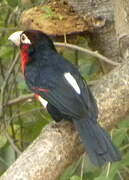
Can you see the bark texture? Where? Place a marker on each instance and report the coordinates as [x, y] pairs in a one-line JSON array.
[[93, 7], [112, 94], [121, 14], [55, 149], [104, 39]]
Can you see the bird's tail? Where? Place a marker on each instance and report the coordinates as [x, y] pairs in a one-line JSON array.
[[97, 142]]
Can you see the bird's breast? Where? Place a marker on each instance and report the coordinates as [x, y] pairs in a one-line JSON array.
[[24, 56]]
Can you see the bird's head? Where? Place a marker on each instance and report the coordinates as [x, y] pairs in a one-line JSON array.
[[31, 42], [31, 38]]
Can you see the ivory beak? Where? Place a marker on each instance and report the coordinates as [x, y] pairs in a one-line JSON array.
[[15, 37]]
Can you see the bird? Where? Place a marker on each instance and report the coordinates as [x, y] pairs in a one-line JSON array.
[[59, 86]]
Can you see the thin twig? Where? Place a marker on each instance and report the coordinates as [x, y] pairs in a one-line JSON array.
[[120, 176], [12, 143], [108, 169], [5, 83], [8, 29], [20, 99], [26, 112], [96, 54], [82, 165], [31, 96], [92, 53]]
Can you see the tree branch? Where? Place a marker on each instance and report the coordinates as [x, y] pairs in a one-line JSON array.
[[5, 84], [19, 99], [88, 51]]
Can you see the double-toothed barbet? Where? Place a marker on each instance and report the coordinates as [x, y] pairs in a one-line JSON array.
[[60, 87]]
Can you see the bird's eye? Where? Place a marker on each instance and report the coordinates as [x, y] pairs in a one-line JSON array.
[[25, 39]]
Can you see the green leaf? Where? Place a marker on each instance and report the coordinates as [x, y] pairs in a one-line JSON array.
[[8, 154], [114, 169], [124, 123], [5, 52], [103, 178], [75, 178], [119, 136], [12, 3], [22, 85], [3, 141]]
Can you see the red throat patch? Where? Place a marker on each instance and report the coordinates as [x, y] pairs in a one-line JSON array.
[[24, 56]]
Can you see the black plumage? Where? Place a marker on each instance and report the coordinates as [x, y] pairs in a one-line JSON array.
[[44, 75]]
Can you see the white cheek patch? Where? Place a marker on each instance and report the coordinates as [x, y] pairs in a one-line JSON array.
[[43, 101], [71, 80], [24, 39]]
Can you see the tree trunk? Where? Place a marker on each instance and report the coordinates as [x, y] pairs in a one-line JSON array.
[[104, 39], [121, 13]]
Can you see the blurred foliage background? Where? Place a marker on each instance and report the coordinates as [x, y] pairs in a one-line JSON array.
[[22, 122]]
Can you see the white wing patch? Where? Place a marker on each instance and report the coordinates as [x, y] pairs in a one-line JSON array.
[[71, 80], [43, 101]]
